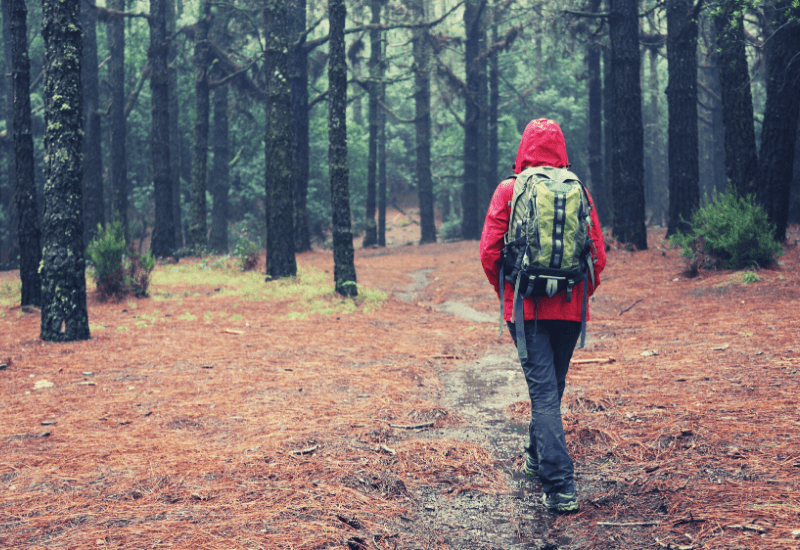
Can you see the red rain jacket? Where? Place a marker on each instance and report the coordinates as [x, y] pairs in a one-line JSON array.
[[542, 144]]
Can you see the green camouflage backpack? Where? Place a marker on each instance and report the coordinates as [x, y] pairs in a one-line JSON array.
[[548, 246]]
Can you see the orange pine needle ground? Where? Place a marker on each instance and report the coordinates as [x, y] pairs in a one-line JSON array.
[[200, 418]]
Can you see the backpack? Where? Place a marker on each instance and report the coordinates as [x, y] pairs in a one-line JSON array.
[[548, 246]]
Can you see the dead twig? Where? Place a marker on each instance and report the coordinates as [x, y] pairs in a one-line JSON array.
[[305, 451], [599, 361], [631, 524], [412, 426], [630, 307]]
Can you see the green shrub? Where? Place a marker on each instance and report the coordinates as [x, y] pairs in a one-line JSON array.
[[119, 270], [247, 253], [731, 232], [450, 230]]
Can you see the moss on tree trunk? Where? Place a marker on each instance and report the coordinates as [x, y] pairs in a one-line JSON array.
[[64, 313]]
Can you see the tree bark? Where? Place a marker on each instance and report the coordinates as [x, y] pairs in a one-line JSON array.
[[684, 177], [93, 202], [344, 270], [779, 131], [659, 204], [280, 180], [595, 120], [422, 125], [300, 125], [375, 55], [710, 129], [163, 241], [202, 60], [29, 233], [9, 247], [471, 192], [220, 173], [64, 312], [741, 160], [493, 154], [608, 137], [174, 128], [118, 161], [382, 159], [627, 146]]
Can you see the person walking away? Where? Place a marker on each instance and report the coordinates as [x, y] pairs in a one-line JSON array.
[[545, 312]]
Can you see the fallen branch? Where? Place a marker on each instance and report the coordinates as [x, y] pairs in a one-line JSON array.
[[632, 524], [601, 361], [444, 357], [412, 426], [305, 451], [630, 307], [231, 331]]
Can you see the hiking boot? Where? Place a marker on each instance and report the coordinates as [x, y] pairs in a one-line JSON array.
[[531, 467], [561, 502]]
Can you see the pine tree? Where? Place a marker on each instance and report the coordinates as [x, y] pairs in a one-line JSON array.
[[64, 312]]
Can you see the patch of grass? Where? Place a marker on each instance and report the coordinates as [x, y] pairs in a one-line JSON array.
[[10, 293], [749, 277], [187, 317], [311, 292], [93, 328]]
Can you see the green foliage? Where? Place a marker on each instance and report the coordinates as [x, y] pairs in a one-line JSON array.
[[118, 269], [730, 231], [247, 253], [749, 277]]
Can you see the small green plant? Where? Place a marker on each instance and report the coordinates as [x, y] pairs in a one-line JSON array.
[[247, 253], [731, 232], [749, 277], [119, 270]]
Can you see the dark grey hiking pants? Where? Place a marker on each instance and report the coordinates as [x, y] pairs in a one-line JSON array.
[[550, 345]]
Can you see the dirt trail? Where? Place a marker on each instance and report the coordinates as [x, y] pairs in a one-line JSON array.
[[482, 391]]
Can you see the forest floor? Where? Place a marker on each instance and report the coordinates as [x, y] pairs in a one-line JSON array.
[[223, 412]]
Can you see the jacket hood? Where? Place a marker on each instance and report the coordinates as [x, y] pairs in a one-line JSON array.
[[542, 144]]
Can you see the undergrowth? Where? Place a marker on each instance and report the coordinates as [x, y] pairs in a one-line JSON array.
[[731, 232], [118, 269], [310, 292]]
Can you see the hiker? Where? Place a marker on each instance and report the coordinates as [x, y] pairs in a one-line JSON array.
[[549, 309]]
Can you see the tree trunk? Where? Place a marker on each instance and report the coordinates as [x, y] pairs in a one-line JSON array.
[[712, 133], [422, 124], [471, 193], [779, 131], [627, 146], [595, 119], [29, 234], [9, 248], [174, 128], [375, 55], [382, 159], [220, 173], [660, 181], [493, 154], [300, 124], [344, 270], [608, 138], [163, 241], [741, 160], [118, 162], [280, 180], [93, 203], [202, 60], [684, 177], [64, 313]]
